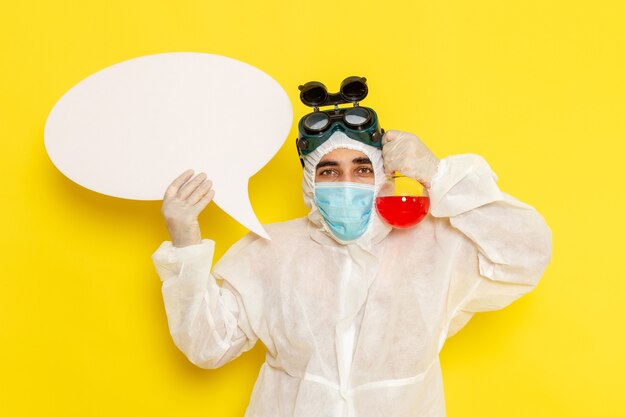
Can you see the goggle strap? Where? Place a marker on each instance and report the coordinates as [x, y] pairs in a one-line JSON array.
[[300, 156]]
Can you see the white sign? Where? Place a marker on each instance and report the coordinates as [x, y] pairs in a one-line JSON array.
[[130, 129]]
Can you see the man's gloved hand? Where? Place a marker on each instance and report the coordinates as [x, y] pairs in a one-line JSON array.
[[183, 201], [406, 153]]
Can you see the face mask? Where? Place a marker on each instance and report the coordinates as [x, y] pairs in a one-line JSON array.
[[346, 207]]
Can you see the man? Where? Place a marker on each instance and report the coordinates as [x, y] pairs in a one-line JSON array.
[[353, 314]]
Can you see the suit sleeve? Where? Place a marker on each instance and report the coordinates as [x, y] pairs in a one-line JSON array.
[[501, 245], [206, 321]]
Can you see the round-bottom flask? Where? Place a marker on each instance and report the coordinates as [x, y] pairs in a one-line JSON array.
[[402, 202]]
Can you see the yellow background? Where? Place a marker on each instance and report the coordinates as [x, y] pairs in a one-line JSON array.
[[536, 87]]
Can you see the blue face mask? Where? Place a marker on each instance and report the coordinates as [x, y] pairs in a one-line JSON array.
[[346, 207]]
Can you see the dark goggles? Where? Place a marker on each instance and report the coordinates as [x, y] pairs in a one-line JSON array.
[[358, 123]]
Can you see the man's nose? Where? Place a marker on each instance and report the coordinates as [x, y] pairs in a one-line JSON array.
[[347, 177]]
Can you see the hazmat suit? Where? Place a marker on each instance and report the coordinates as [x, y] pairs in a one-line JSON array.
[[354, 329]]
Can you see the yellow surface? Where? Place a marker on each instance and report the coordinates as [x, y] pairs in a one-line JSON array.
[[536, 87]]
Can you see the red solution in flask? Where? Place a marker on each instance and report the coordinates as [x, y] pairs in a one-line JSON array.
[[402, 211]]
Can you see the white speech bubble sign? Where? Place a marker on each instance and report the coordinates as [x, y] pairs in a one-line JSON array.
[[128, 130]]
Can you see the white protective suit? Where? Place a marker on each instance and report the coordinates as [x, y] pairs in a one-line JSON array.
[[355, 330]]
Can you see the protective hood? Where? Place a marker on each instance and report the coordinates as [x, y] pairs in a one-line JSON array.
[[318, 229]]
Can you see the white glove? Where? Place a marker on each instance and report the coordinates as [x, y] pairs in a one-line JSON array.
[[406, 153], [184, 200]]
